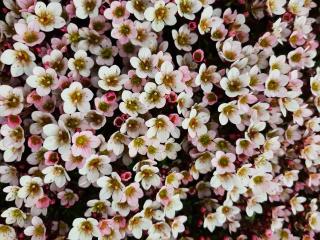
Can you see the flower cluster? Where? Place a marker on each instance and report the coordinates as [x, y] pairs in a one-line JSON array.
[[159, 119]]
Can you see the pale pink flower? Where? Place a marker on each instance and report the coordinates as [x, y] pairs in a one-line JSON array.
[[83, 143]]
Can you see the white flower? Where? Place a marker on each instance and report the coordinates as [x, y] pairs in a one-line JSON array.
[[7, 232], [188, 8], [85, 8], [110, 78], [13, 137], [137, 145], [144, 63], [161, 128], [159, 230], [231, 50], [137, 8], [84, 229], [171, 148], [48, 17], [206, 20], [296, 204], [116, 142], [56, 174], [275, 84], [76, 97], [184, 101], [276, 6], [95, 167], [131, 104], [12, 195], [21, 59], [31, 189], [111, 186], [153, 96], [207, 77], [43, 80], [254, 205], [148, 176], [195, 123], [212, 221], [37, 230], [172, 206], [8, 174], [227, 211], [297, 7], [137, 224], [80, 64], [161, 14], [314, 221], [235, 83], [169, 78], [14, 215], [177, 225], [57, 137], [183, 39], [229, 112]]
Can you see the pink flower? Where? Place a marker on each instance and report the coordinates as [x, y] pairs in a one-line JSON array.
[[223, 162], [43, 202], [35, 142], [117, 12], [51, 158], [26, 5], [28, 33], [132, 193], [83, 143], [124, 31]]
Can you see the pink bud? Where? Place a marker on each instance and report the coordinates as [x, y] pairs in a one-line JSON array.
[[126, 176], [13, 121], [192, 25], [109, 97], [175, 119], [198, 55], [118, 121], [50, 158], [43, 202], [35, 142]]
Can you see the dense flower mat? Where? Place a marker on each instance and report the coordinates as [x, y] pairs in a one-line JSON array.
[[159, 119]]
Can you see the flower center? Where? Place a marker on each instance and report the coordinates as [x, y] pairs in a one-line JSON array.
[[79, 64], [106, 53], [161, 13], [154, 96], [34, 189], [82, 141], [230, 55], [76, 96], [160, 123], [23, 57], [125, 29], [186, 6], [139, 5], [119, 12], [183, 39], [89, 5], [12, 101], [46, 80], [86, 227], [273, 85], [132, 105], [46, 18], [224, 161], [296, 57], [30, 37]]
